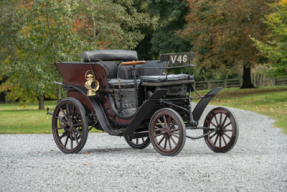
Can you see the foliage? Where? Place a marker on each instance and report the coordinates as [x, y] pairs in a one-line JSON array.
[[275, 49], [219, 31], [171, 14], [44, 30]]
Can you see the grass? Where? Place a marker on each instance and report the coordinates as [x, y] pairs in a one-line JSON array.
[[270, 101], [20, 119]]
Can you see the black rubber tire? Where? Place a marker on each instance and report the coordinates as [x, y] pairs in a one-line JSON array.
[[167, 132], [74, 132], [229, 121], [142, 145]]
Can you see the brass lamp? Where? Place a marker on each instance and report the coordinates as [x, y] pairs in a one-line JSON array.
[[91, 84]]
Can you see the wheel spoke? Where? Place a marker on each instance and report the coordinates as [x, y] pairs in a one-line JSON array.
[[168, 121], [226, 125], [71, 143], [174, 130], [137, 141], [220, 118], [169, 143], [227, 135], [219, 141], [160, 123], [158, 128], [224, 139], [213, 124], [224, 120], [64, 113], [68, 111], [143, 139], [175, 135], [215, 140], [225, 130], [173, 140], [161, 140], [164, 120], [212, 136], [73, 110], [158, 135], [76, 117], [62, 135], [76, 125], [75, 137], [59, 128], [62, 120], [172, 125], [66, 141], [216, 119], [165, 142]]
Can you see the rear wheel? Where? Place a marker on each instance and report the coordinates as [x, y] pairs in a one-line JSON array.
[[225, 138], [138, 143], [70, 125], [167, 132]]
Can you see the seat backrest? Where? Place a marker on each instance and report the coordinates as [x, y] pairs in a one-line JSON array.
[[150, 68], [111, 69]]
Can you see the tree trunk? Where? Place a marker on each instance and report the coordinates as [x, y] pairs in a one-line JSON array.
[[247, 83], [41, 102], [59, 93]]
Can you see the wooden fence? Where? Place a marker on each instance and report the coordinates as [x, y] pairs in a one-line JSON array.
[[230, 83]]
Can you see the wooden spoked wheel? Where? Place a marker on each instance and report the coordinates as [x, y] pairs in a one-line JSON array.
[[138, 143], [227, 132], [167, 132], [70, 126]]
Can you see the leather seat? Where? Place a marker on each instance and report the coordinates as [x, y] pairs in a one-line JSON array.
[[163, 78], [125, 83]]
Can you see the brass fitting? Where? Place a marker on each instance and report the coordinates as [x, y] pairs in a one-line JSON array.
[[91, 84]]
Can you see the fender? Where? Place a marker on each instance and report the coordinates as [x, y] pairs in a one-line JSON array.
[[198, 110], [96, 105], [144, 109]]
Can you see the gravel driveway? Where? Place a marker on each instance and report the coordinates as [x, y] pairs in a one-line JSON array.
[[258, 162]]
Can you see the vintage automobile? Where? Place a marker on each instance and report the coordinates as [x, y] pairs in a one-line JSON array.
[[138, 100]]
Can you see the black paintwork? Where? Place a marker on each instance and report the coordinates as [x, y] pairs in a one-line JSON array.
[[198, 110]]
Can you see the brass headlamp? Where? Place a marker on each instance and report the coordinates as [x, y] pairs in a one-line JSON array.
[[91, 84]]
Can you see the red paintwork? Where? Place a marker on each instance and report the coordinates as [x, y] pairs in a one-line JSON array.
[[74, 74]]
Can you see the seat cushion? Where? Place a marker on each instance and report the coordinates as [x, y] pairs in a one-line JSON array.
[[125, 83], [163, 78]]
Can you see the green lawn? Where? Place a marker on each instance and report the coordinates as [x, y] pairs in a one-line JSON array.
[[20, 119], [270, 101]]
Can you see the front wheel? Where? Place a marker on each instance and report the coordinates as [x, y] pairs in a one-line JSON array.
[[167, 132], [70, 125], [227, 132]]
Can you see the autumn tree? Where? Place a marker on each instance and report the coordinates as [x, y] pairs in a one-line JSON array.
[[220, 33], [276, 48], [53, 29]]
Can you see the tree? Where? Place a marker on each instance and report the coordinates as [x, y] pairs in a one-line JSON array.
[[219, 32], [276, 48], [51, 29], [171, 15]]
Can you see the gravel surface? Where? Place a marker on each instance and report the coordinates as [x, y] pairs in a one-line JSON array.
[[258, 162]]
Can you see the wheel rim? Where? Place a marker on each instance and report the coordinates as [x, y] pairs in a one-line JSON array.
[[166, 132], [225, 126], [137, 141], [68, 126]]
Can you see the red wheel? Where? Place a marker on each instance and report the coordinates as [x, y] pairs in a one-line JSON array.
[[70, 126], [167, 132], [138, 143], [227, 132]]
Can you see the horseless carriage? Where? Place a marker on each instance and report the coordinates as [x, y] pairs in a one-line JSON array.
[[138, 100]]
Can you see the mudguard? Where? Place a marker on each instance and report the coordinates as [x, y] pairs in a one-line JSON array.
[[198, 110], [103, 120]]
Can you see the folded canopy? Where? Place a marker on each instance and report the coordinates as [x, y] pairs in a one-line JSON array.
[[110, 55]]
